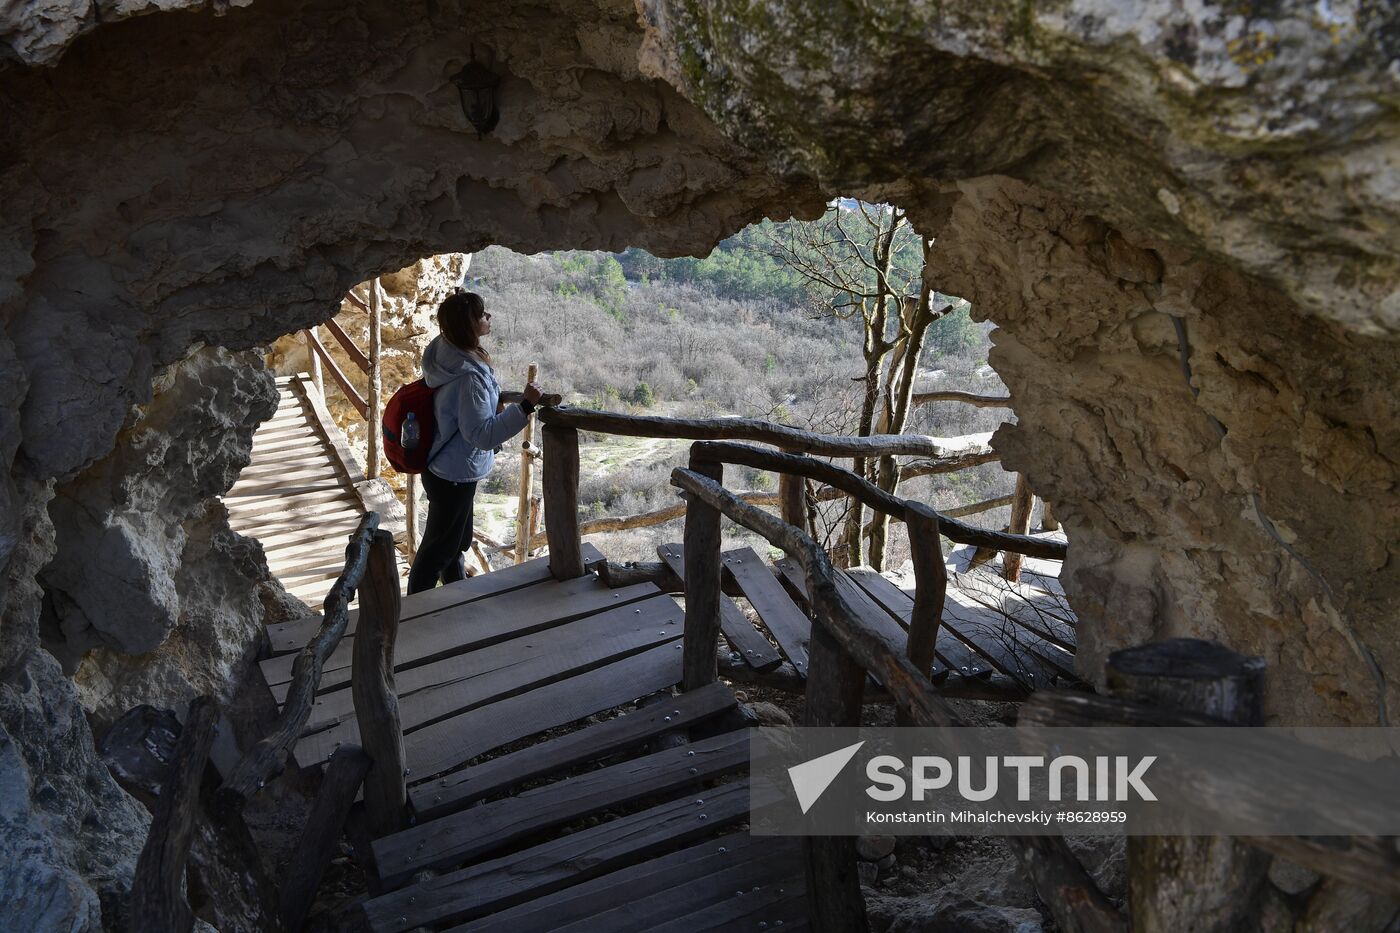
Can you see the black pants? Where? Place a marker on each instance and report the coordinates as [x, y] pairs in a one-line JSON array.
[[448, 534]]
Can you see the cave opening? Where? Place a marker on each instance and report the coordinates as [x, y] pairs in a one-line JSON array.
[[186, 187]]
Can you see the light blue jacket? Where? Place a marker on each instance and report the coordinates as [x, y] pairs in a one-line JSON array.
[[468, 427]]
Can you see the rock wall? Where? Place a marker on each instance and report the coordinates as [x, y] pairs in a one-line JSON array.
[[120, 523], [274, 158], [1093, 171], [1157, 485]]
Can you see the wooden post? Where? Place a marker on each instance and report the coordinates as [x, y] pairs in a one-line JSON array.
[[534, 526], [1200, 883], [317, 845], [792, 499], [1021, 504], [412, 519], [702, 582], [835, 683], [1047, 517], [560, 482], [157, 890], [316, 375], [527, 475], [930, 584], [372, 688], [376, 313]]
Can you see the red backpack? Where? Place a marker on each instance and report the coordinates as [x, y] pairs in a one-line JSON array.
[[414, 399]]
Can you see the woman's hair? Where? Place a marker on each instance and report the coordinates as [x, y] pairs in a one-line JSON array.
[[458, 317]]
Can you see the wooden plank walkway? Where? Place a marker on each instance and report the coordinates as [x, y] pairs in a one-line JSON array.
[[554, 772], [559, 781], [298, 495], [1017, 636]]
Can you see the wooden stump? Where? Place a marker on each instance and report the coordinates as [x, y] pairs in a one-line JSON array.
[[372, 688], [1022, 502], [792, 499], [317, 844], [1198, 883], [930, 584], [702, 584], [157, 891], [835, 683], [560, 486]]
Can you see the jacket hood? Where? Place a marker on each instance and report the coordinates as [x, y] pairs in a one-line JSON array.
[[444, 362]]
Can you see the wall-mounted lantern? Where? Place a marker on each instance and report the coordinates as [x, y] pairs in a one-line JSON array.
[[477, 84]]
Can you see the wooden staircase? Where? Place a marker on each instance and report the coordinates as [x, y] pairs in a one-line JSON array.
[[302, 494]]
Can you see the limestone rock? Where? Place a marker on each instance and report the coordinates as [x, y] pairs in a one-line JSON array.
[[1226, 131], [220, 583], [120, 523], [768, 714], [71, 834], [1164, 510]]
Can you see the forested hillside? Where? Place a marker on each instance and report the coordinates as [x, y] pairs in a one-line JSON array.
[[735, 333]]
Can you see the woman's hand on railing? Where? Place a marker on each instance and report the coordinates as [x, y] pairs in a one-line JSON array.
[[532, 393]]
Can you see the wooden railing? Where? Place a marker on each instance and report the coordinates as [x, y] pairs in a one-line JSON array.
[[843, 650], [158, 901], [563, 529]]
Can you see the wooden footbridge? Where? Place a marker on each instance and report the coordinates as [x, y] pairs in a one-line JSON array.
[[562, 753], [552, 746], [303, 492]]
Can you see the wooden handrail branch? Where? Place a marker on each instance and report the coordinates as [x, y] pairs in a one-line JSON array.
[[357, 356], [875, 497], [157, 889], [953, 464], [269, 754], [752, 429], [973, 508], [841, 647], [967, 398], [372, 688], [321, 833], [897, 673], [351, 395]]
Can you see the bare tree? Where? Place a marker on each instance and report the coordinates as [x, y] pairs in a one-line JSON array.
[[859, 261]]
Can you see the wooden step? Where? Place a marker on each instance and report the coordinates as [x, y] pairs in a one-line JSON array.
[[952, 653], [433, 692], [444, 746], [461, 837], [868, 612], [747, 640], [712, 886], [292, 636], [550, 866], [457, 629], [453, 792], [786, 622]]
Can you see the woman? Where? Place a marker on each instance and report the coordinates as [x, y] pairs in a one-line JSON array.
[[470, 426]]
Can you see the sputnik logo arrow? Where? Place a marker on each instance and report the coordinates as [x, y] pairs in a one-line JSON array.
[[811, 778]]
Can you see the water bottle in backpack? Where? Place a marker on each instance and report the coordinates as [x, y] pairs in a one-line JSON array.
[[407, 427]]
